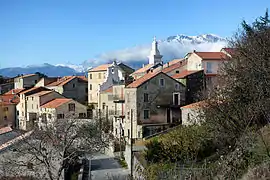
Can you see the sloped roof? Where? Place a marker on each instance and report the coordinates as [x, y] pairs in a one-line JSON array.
[[174, 61], [174, 66], [27, 75], [143, 69], [183, 74], [60, 82], [55, 103], [195, 105], [14, 91], [212, 55], [29, 90], [126, 68], [230, 51], [9, 99], [108, 90], [102, 67], [41, 93], [143, 79]]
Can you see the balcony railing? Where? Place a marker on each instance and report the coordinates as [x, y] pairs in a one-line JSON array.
[[118, 99], [119, 113]]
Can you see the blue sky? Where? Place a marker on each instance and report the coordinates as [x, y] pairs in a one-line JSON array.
[[61, 31]]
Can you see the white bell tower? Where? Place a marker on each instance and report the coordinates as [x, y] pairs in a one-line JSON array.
[[155, 57]]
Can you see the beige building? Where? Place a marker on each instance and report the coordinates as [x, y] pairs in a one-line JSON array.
[[74, 87], [8, 103], [26, 81], [30, 102], [61, 108], [155, 101], [191, 113]]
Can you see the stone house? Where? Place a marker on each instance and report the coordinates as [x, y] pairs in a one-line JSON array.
[[61, 108], [26, 81], [105, 76], [30, 102], [8, 110], [191, 113], [74, 87], [154, 101]]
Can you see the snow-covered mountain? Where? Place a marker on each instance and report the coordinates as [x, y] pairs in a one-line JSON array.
[[171, 47]]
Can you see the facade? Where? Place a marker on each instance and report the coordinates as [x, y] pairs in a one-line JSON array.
[[115, 74], [61, 108], [96, 77], [74, 87], [191, 113], [46, 80], [26, 81], [8, 110], [153, 104], [6, 87], [30, 102]]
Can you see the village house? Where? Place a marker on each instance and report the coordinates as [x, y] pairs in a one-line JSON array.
[[8, 110], [191, 113], [26, 81], [153, 103], [61, 108], [46, 81], [30, 102], [74, 87], [105, 76]]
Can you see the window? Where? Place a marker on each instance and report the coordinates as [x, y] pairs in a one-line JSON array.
[[32, 98], [37, 106], [145, 97], [176, 86], [115, 130], [139, 134], [27, 98], [60, 116], [73, 85], [82, 115], [103, 105], [112, 70], [145, 87], [177, 72], [71, 107], [22, 113], [5, 109], [128, 133], [209, 67], [32, 106], [146, 114], [161, 82], [49, 116], [90, 87], [5, 118], [99, 75], [35, 81], [176, 98], [90, 75], [18, 113], [128, 114], [86, 90]]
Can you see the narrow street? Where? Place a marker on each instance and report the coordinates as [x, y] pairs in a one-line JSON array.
[[105, 167]]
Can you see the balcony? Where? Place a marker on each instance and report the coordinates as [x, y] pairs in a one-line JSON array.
[[118, 99], [119, 114]]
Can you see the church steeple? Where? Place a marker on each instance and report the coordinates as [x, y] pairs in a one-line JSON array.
[[155, 57]]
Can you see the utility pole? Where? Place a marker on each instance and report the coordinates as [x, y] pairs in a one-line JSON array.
[[131, 144]]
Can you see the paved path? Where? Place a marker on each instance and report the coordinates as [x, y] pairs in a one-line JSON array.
[[105, 167]]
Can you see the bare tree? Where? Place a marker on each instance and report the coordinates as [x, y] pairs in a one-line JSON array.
[[49, 152]]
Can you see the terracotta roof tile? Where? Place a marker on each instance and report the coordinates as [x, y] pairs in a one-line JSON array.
[[183, 74], [55, 103], [14, 91], [174, 66], [174, 61], [62, 81], [195, 105], [28, 90], [102, 67], [10, 99], [143, 69], [143, 79], [212, 55]]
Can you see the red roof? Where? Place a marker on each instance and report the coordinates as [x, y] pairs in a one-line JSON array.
[[174, 66], [14, 91], [143, 79], [212, 55], [64, 80], [195, 105], [29, 90], [102, 67], [41, 93], [55, 103], [183, 74], [5, 130], [10, 99], [230, 51], [143, 69]]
